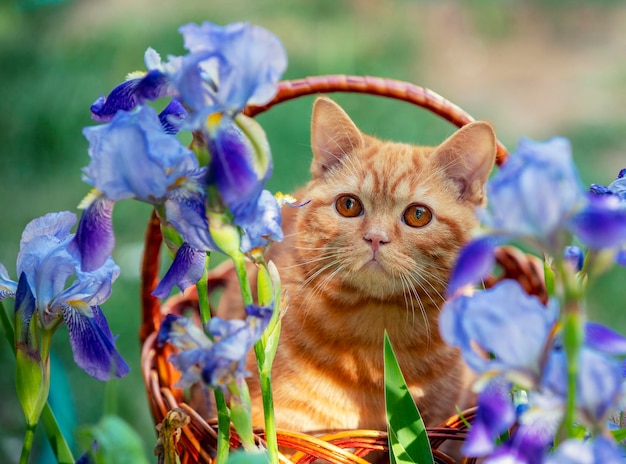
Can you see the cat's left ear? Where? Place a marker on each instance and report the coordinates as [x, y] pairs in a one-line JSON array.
[[468, 157]]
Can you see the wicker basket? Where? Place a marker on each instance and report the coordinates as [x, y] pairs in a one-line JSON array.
[[198, 438]]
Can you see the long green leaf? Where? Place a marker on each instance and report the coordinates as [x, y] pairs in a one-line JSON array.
[[408, 441]]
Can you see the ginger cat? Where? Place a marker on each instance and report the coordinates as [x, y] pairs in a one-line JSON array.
[[372, 251]]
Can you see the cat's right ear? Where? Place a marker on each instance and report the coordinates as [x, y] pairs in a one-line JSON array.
[[333, 135]]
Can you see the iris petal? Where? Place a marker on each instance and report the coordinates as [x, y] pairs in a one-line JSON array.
[[231, 168], [25, 306], [474, 262], [132, 157], [93, 344], [494, 416], [603, 339], [186, 270], [130, 94], [94, 240], [57, 225], [264, 224], [601, 223], [7, 286], [172, 117]]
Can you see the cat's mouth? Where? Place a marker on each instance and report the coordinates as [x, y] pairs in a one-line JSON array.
[[374, 264]]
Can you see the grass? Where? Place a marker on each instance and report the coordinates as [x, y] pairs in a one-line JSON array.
[[55, 60]]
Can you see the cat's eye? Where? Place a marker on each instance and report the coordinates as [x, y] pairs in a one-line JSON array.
[[349, 206], [417, 215]]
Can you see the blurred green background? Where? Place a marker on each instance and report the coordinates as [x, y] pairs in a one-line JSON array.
[[532, 68]]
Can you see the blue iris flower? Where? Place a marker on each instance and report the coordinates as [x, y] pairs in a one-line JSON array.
[[53, 286], [521, 346], [516, 338], [592, 451], [135, 154], [132, 157], [228, 67], [216, 363], [537, 196]]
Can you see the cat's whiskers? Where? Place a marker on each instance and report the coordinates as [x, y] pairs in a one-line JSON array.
[[415, 297], [406, 288]]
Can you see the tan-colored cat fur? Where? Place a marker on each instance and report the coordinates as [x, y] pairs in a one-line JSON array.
[[349, 277]]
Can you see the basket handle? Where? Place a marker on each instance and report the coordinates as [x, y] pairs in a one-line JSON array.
[[288, 90], [384, 87]]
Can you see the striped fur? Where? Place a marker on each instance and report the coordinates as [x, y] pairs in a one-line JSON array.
[[328, 373]]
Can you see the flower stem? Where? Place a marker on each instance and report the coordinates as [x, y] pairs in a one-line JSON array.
[[203, 293], [572, 320], [223, 427], [59, 445], [268, 410], [29, 437], [269, 291], [223, 414], [244, 283]]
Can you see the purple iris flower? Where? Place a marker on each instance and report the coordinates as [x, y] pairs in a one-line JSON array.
[[228, 67], [530, 197], [526, 446], [138, 89], [216, 363], [131, 157], [511, 342], [53, 285], [185, 270], [593, 451], [599, 385], [537, 196], [601, 223], [534, 191], [494, 417]]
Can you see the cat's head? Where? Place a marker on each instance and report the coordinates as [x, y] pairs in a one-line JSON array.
[[387, 219]]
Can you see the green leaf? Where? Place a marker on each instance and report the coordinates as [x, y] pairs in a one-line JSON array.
[[117, 442], [619, 434], [408, 440]]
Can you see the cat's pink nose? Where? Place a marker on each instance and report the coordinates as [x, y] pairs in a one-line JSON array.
[[376, 239]]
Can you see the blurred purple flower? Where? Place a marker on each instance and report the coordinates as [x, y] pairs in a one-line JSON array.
[[535, 191], [475, 261], [601, 223], [592, 451], [600, 382], [512, 342], [494, 417], [526, 446], [215, 363], [53, 285]]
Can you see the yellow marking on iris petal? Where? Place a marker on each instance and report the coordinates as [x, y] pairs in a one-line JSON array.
[[89, 198], [135, 75], [81, 306], [178, 182], [213, 120], [285, 199]]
